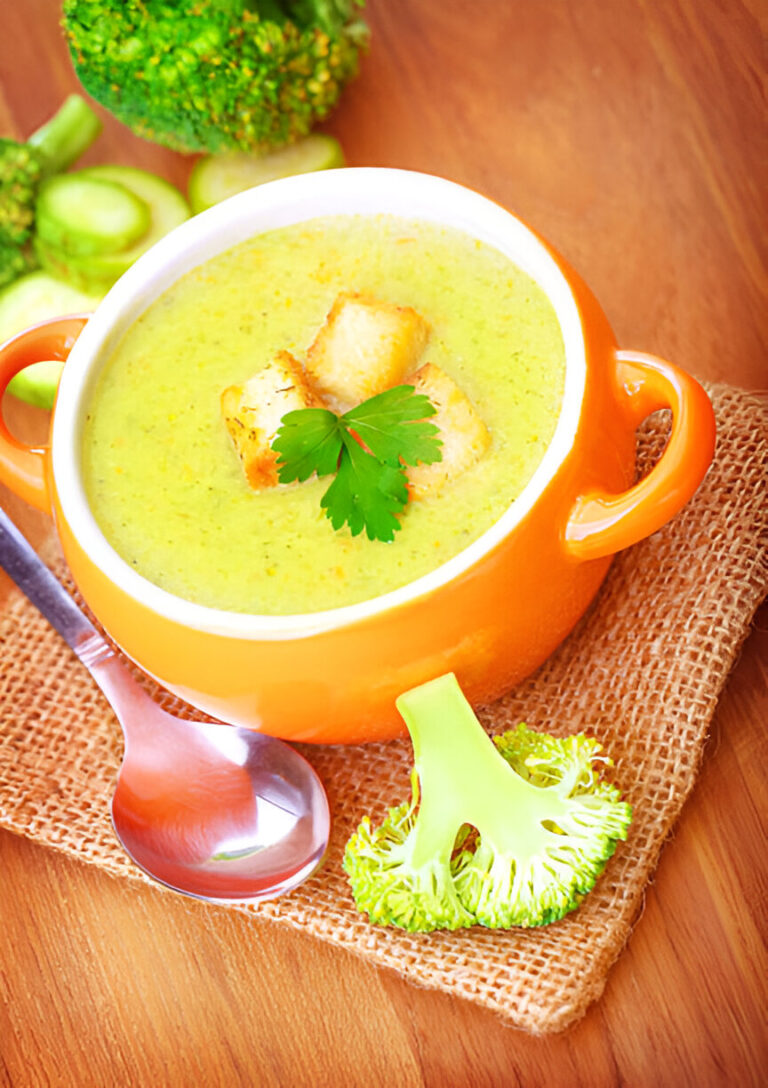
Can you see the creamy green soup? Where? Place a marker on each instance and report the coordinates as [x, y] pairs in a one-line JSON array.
[[162, 476]]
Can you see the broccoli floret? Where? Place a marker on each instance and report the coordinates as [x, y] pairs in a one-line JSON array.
[[20, 175], [23, 166], [215, 75], [498, 842]]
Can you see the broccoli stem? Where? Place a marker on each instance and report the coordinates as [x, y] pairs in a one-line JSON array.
[[460, 771], [64, 138]]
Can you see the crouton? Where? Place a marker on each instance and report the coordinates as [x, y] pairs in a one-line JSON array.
[[463, 434], [364, 347], [252, 413]]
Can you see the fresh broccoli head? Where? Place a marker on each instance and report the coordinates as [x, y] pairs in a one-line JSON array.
[[23, 166], [498, 842], [215, 75]]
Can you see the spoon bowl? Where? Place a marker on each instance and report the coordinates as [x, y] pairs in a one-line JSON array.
[[210, 810], [219, 812]]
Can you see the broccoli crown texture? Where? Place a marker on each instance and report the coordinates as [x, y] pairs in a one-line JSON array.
[[498, 842], [21, 169], [215, 75], [23, 166], [15, 261]]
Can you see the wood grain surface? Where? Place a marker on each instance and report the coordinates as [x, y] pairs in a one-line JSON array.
[[631, 134]]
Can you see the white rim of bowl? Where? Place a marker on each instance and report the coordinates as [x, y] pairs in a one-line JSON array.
[[355, 190]]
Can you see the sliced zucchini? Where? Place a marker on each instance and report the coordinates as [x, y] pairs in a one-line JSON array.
[[30, 299], [83, 215], [78, 272], [216, 177], [37, 384], [96, 272]]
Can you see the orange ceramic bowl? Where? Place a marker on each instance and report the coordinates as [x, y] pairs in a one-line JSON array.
[[492, 613]]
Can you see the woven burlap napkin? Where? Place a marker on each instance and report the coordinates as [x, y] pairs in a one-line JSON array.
[[642, 672]]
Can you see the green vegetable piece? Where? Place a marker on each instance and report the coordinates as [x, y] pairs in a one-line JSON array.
[[366, 494], [67, 135], [370, 486], [20, 173], [216, 177], [83, 215], [98, 271], [15, 261], [30, 299], [216, 75], [308, 440], [64, 267], [391, 425], [511, 833], [37, 384], [23, 166]]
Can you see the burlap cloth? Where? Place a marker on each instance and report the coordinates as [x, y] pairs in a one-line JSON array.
[[642, 672]]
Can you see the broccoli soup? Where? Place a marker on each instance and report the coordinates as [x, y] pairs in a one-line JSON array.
[[293, 313]]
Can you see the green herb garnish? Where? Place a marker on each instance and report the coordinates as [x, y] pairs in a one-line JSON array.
[[367, 449]]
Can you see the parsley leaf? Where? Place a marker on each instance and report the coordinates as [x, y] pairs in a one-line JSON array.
[[367, 450], [309, 440], [391, 426], [366, 494]]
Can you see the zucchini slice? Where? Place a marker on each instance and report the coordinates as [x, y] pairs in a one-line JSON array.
[[70, 269], [84, 215], [30, 299], [216, 177], [97, 271]]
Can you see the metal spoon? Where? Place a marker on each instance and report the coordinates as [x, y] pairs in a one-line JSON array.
[[211, 810]]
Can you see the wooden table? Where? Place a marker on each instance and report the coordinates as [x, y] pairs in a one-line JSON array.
[[630, 133]]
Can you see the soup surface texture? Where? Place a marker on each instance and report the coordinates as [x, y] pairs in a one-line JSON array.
[[162, 476]]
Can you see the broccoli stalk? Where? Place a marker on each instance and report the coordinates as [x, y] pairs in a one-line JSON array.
[[215, 75], [68, 134], [498, 842], [24, 166]]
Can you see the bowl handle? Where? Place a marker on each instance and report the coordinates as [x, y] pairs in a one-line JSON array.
[[601, 524], [22, 467]]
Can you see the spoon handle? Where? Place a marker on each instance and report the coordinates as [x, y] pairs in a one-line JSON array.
[[20, 561]]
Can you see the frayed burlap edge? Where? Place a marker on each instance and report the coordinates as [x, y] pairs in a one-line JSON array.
[[642, 672]]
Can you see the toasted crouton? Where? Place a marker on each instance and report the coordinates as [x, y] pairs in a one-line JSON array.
[[252, 413], [463, 434], [364, 347]]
